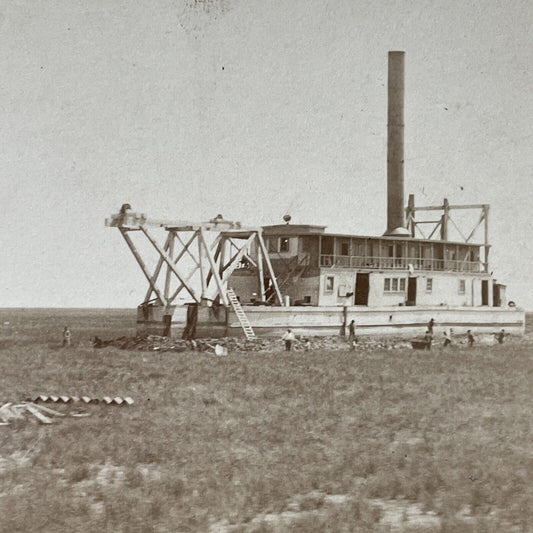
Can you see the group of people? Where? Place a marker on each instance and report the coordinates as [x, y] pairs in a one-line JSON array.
[[289, 338], [428, 337]]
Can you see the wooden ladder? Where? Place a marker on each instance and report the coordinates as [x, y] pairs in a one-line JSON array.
[[241, 315]]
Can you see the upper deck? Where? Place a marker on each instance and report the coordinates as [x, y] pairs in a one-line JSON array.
[[312, 245]]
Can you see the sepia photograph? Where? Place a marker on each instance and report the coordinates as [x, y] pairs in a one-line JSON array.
[[266, 266]]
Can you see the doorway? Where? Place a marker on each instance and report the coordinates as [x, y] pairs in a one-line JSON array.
[[484, 292], [362, 288], [496, 295], [411, 291]]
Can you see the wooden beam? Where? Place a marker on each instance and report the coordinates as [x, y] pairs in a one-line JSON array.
[[250, 260], [188, 276], [183, 284], [269, 267], [441, 207], [487, 247], [260, 275], [444, 223], [228, 270], [213, 265], [186, 246], [481, 218], [417, 224], [137, 256], [216, 243], [411, 214], [155, 275], [169, 262], [170, 241], [457, 228], [203, 275], [435, 229]]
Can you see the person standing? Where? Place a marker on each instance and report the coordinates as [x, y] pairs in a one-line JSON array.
[[501, 336], [470, 338], [351, 332], [66, 336], [447, 340], [428, 338], [431, 323], [289, 338]]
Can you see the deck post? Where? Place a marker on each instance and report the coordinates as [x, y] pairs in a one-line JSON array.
[[260, 273]]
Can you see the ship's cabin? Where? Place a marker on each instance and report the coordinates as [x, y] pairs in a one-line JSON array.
[[316, 268]]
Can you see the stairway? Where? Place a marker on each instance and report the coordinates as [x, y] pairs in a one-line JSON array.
[[241, 315]]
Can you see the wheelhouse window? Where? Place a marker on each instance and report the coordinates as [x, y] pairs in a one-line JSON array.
[[284, 244]]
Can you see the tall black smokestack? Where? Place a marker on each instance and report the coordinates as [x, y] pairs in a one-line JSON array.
[[395, 157]]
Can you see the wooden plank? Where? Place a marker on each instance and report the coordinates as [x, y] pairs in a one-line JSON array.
[[47, 410], [37, 414]]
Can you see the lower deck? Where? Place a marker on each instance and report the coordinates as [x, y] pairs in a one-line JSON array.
[[325, 321]]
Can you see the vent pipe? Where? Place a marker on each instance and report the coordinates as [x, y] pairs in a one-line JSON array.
[[395, 153]]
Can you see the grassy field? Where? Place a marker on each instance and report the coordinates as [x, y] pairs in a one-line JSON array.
[[306, 442]]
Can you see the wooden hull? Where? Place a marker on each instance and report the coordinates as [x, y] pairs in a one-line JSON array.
[[323, 321]]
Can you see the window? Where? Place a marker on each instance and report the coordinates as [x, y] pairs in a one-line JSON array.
[[462, 286], [284, 244], [394, 285], [330, 282], [345, 248], [327, 246], [429, 284]]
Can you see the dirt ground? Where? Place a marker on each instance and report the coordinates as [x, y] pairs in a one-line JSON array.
[[384, 440]]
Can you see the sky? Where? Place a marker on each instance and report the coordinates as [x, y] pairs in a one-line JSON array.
[[252, 109]]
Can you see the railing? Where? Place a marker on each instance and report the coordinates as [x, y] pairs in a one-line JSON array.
[[355, 261]]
